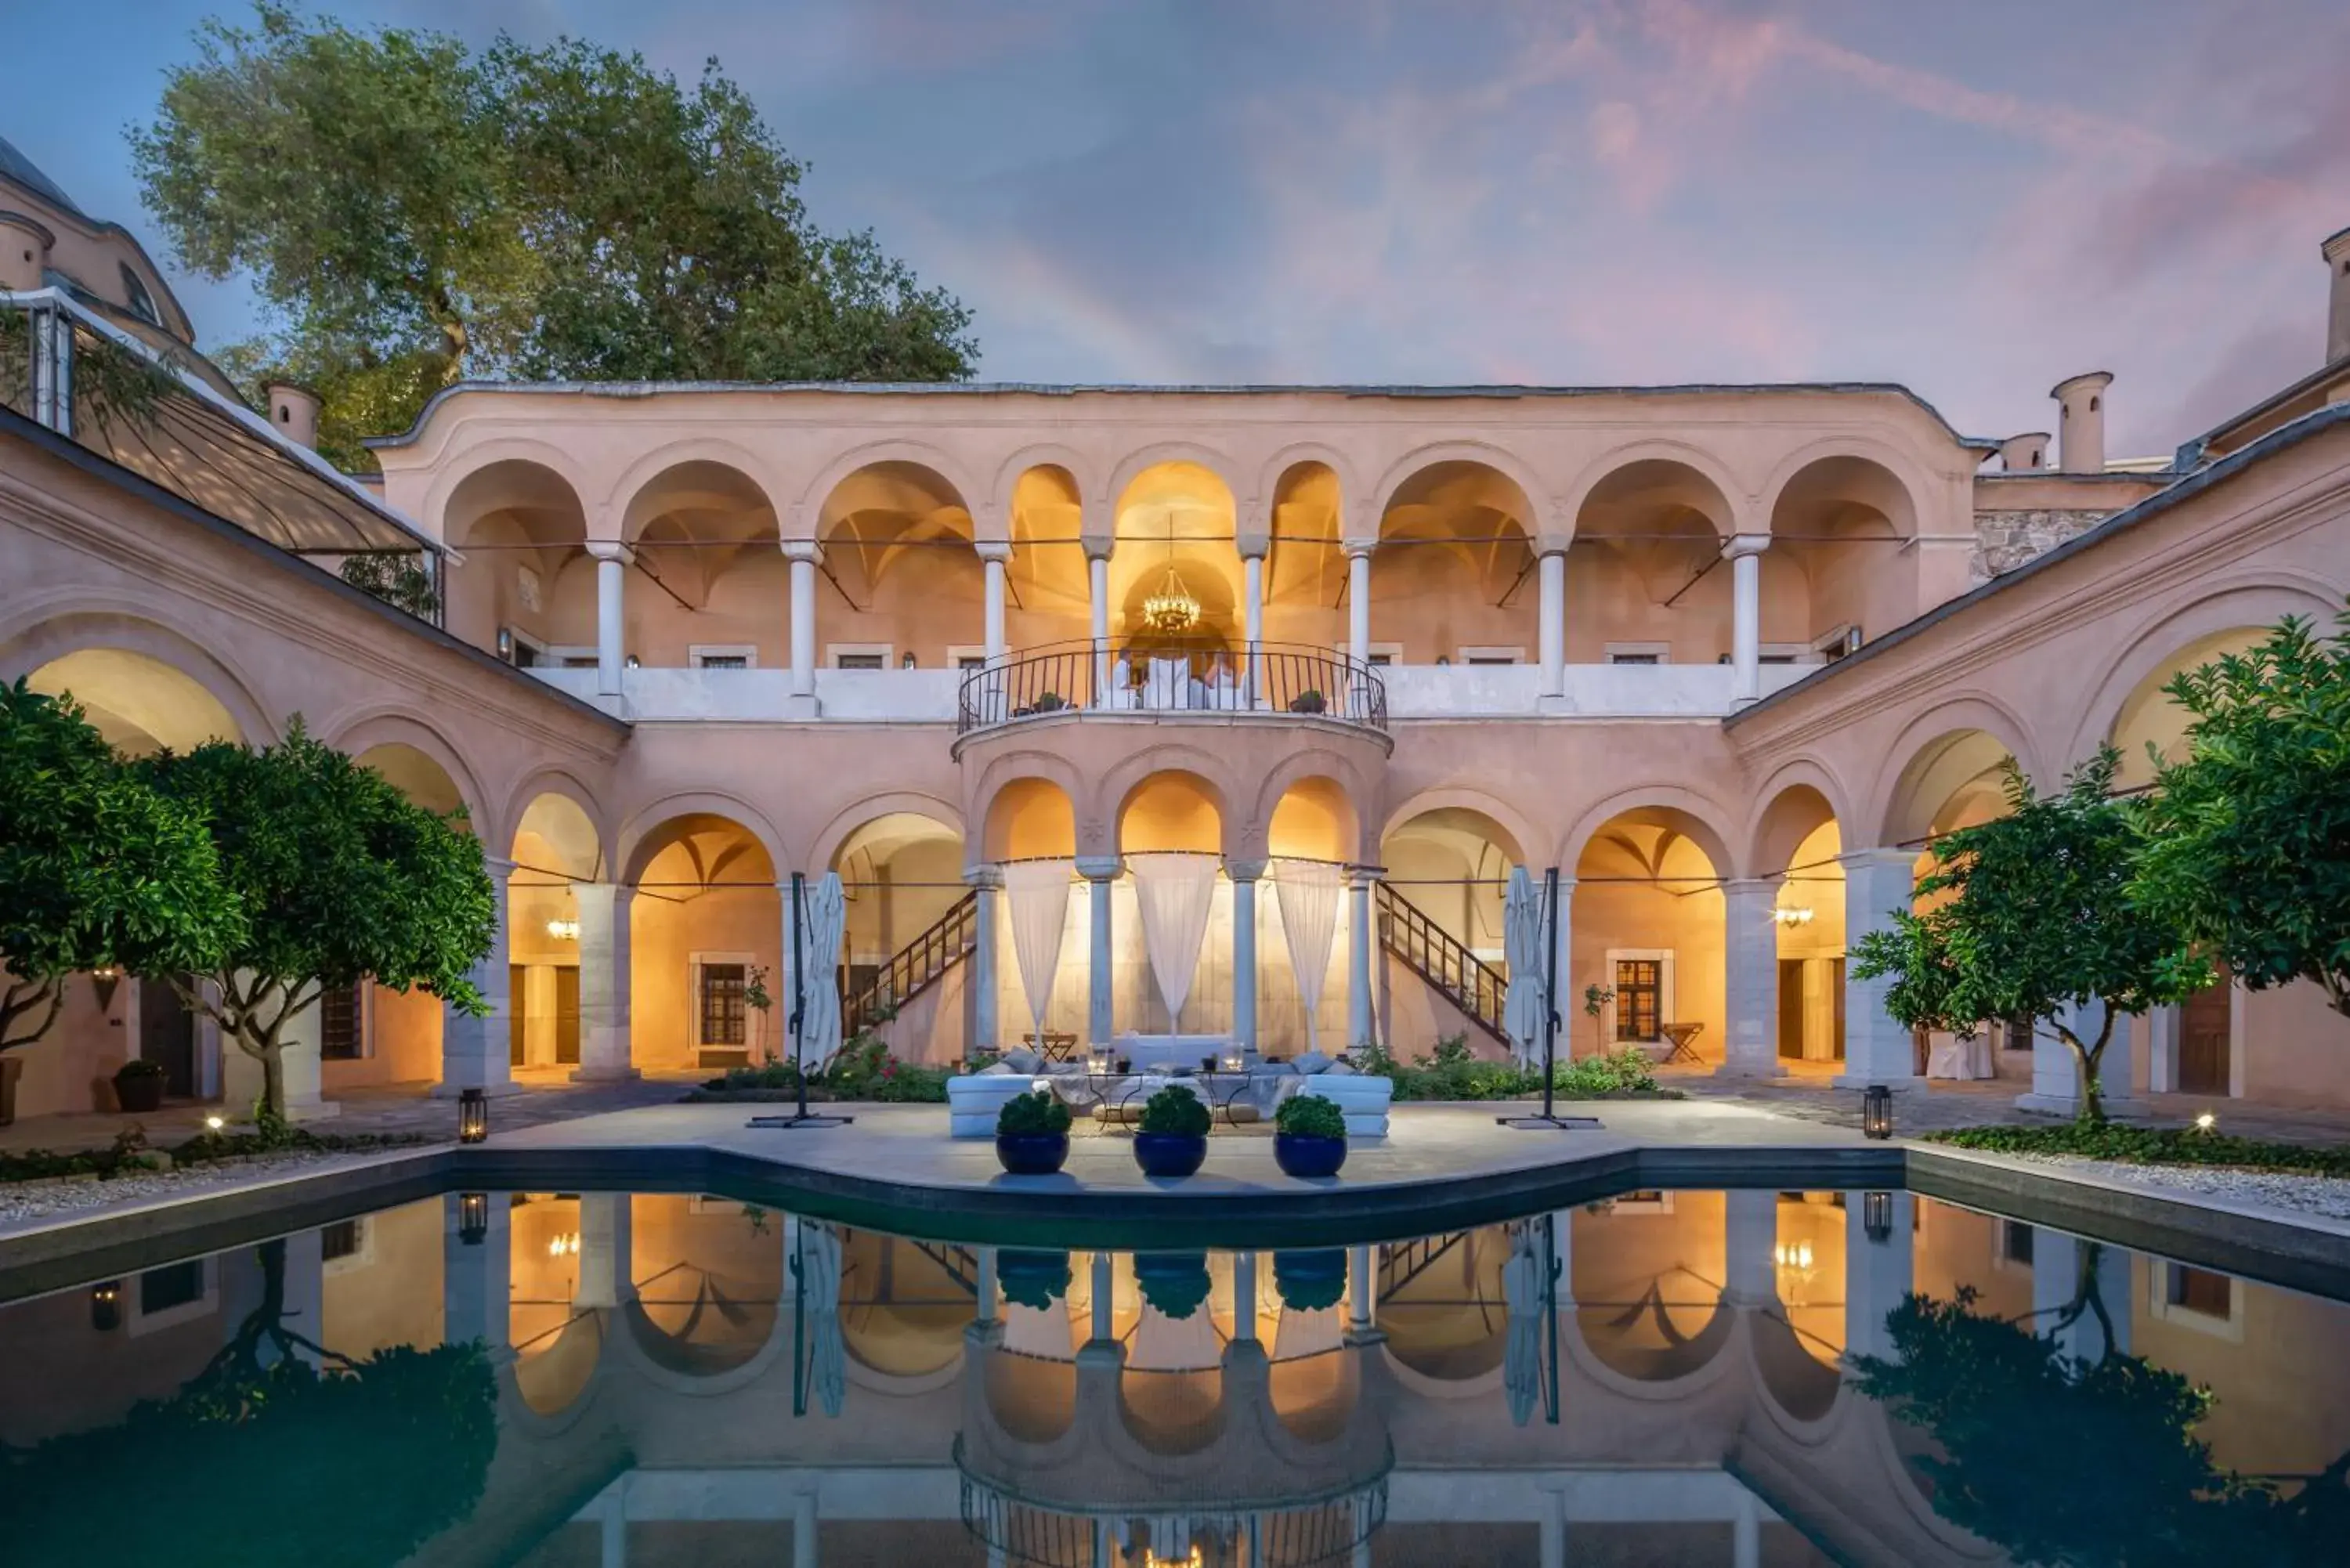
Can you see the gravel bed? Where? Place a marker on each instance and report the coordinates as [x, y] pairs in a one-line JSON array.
[[27, 1204], [2328, 1196]]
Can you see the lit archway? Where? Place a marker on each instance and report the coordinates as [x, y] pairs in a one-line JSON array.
[[705, 918], [1176, 544], [1841, 523], [1649, 932], [1305, 560], [709, 576], [898, 538], [141, 704], [1452, 580], [522, 531], [1639, 587], [1797, 854], [554, 845], [2151, 723], [1051, 594], [907, 929]]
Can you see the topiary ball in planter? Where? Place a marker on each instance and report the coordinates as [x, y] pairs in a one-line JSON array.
[[1032, 1134], [1032, 1279], [1172, 1139], [139, 1085], [1307, 702], [1174, 1282], [1309, 1136], [1310, 1282]]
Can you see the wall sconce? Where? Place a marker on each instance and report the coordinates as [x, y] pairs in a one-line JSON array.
[[102, 982], [566, 1245], [563, 931], [472, 1218], [1876, 1216], [1796, 914], [473, 1116], [1876, 1111], [505, 643], [106, 1305]]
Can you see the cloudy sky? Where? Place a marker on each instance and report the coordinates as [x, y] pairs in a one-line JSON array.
[[1973, 199]]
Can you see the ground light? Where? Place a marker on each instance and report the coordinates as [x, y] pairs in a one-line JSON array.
[[1876, 1111], [473, 1116], [106, 1305]]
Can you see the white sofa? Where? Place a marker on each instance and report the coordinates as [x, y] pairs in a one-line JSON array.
[[973, 1100], [1364, 1097]]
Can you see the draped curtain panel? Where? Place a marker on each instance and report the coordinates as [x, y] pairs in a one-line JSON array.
[[1173, 892], [1038, 894], [1309, 894], [825, 911]]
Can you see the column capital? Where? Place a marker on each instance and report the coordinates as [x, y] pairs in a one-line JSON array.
[[1752, 887], [1244, 871], [1364, 876], [993, 550], [1355, 549], [1100, 867], [1739, 545], [1873, 859], [798, 550], [610, 550], [982, 876]]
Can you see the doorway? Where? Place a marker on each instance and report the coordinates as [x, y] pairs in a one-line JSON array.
[[167, 1034], [2204, 1025], [561, 997], [567, 1015]]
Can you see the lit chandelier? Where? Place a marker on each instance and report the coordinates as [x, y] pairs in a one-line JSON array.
[[1171, 610]]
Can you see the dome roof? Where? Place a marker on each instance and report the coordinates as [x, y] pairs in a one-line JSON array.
[[15, 166]]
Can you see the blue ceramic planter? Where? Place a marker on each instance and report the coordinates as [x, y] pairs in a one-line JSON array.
[[1170, 1154], [1032, 1154], [1300, 1155]]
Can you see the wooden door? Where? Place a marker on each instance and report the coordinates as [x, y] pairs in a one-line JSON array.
[[566, 1014], [2203, 1031], [517, 1012], [1836, 1001], [1791, 1008]]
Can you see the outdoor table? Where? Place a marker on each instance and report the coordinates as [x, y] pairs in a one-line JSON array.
[[1679, 1036]]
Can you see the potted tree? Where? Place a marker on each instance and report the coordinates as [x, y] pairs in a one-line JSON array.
[[139, 1085], [1032, 1134], [1173, 1138], [1309, 1136], [1307, 702]]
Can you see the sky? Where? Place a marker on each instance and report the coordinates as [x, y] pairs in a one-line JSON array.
[[1973, 199]]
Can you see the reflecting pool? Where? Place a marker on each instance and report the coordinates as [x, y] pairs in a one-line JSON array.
[[1681, 1378]]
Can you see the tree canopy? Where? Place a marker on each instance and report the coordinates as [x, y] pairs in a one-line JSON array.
[[415, 212], [2248, 837], [341, 877], [96, 868], [2039, 921]]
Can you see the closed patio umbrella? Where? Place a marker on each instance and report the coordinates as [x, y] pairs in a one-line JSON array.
[[819, 1281], [1522, 1295], [826, 910], [1524, 1009]]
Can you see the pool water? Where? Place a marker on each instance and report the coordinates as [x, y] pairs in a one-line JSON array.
[[1699, 1377]]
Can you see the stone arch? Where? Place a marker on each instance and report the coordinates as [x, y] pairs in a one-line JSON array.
[[805, 520], [149, 677], [1141, 460], [1051, 828], [845, 823], [387, 725], [1381, 496], [559, 783], [557, 817], [1895, 465], [998, 778], [1526, 838], [1296, 454], [1083, 476], [683, 463], [1353, 791], [1794, 809], [1696, 818], [645, 832], [1719, 494], [502, 472], [1895, 805], [1165, 785]]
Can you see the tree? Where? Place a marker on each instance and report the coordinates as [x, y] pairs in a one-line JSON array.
[[2040, 921], [341, 878], [97, 869], [2248, 837], [415, 212]]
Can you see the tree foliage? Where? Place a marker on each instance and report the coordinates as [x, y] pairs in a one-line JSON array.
[[341, 877], [2066, 1461], [279, 1451], [2040, 921], [96, 868], [415, 212], [2248, 837]]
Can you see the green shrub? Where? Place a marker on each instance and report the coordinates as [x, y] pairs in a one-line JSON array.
[[140, 1067], [1177, 1110], [1174, 1282], [1036, 1114], [1310, 1282], [1624, 1072], [1032, 1279], [2149, 1146], [1310, 1115]]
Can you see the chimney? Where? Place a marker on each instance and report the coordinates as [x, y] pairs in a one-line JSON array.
[[294, 410], [2025, 453], [2081, 423], [2336, 252], [23, 252]]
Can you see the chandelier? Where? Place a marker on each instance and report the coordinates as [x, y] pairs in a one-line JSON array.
[[1171, 610]]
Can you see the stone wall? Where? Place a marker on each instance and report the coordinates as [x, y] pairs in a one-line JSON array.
[[2005, 540]]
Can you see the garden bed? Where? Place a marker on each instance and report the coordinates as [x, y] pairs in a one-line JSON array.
[[2121, 1145], [1452, 1073], [129, 1155]]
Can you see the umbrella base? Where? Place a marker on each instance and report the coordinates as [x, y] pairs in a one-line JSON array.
[[810, 1120], [1550, 1124]]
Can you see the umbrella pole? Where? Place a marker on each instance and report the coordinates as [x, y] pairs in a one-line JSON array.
[[799, 1116], [1550, 1118]]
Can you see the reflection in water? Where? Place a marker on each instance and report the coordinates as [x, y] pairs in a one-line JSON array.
[[652, 1379]]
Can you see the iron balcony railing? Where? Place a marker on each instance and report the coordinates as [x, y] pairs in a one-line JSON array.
[[1164, 675]]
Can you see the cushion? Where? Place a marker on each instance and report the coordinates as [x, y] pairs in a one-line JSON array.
[[1313, 1062], [1339, 1070], [1020, 1060], [993, 1070]]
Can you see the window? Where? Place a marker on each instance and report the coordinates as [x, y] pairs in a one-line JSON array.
[[861, 655], [2016, 1033], [968, 662], [340, 1239], [143, 304], [577, 661], [1637, 653], [1640, 998], [726, 655], [2014, 1242], [722, 1021], [174, 1285], [857, 661], [1844, 641], [966, 657], [1492, 656], [2199, 1291], [342, 1023]]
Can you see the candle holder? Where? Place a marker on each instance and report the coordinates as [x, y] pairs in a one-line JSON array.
[[473, 1116], [106, 1305], [1876, 1216], [1876, 1111], [472, 1218]]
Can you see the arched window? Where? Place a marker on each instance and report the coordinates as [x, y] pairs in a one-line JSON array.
[[143, 304]]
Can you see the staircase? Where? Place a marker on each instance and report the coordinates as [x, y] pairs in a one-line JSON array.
[[1401, 1263], [1468, 981], [913, 969]]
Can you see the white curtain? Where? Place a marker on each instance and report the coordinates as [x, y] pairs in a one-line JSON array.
[[1038, 893], [1524, 1007], [1173, 891], [825, 912], [1309, 892]]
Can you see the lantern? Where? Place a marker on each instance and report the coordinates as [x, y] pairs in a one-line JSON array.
[[106, 1305], [1876, 1216], [473, 1116], [472, 1218], [1876, 1111]]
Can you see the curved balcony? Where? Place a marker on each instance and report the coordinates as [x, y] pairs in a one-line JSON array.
[[1156, 676]]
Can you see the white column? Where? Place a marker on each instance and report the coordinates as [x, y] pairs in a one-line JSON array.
[[1360, 1029], [1104, 1321], [612, 1533], [986, 1024], [1362, 1288], [1244, 875], [1876, 1274], [2057, 1076], [1253, 624], [1745, 553], [1876, 1050], [1746, 1533], [607, 1251], [1554, 624], [476, 1277], [478, 1052], [301, 1068], [803, 1530], [1568, 1002], [611, 599], [2066, 1271], [985, 1292], [1244, 1297], [604, 980], [992, 558], [1098, 600], [804, 554], [1751, 978], [1358, 603], [1750, 1226], [1100, 873]]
